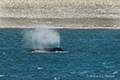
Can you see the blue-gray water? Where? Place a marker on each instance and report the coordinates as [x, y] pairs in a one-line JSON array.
[[99, 60]]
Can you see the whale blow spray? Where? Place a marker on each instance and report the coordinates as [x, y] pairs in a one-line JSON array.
[[41, 38]]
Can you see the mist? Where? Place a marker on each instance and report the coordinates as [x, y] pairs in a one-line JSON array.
[[41, 38]]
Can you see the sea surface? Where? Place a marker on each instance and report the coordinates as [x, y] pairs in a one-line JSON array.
[[95, 55]]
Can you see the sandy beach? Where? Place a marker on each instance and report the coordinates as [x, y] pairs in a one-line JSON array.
[[61, 23], [66, 14]]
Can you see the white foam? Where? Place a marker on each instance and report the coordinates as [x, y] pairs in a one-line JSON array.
[[4, 53], [103, 63], [42, 51], [56, 78], [50, 52], [2, 75], [40, 68], [115, 72]]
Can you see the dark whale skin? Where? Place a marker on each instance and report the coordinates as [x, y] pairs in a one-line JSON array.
[[56, 49]]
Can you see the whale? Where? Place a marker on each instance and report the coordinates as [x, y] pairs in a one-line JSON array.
[[55, 49]]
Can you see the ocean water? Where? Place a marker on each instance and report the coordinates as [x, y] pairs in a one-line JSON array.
[[97, 57]]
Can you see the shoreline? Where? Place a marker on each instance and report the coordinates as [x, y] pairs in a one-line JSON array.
[[32, 27], [60, 23]]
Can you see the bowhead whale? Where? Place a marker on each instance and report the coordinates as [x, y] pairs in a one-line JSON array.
[[55, 49]]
